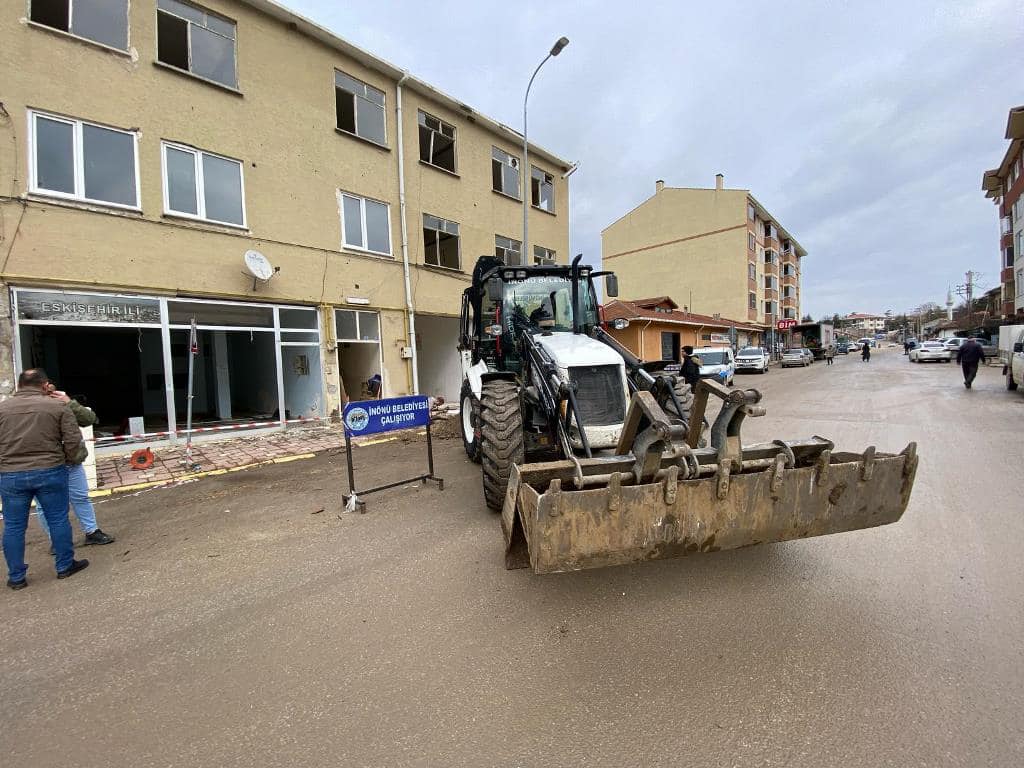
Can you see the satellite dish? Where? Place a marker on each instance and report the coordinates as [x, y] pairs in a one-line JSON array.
[[258, 265]]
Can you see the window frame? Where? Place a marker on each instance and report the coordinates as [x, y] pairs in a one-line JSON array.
[[752, 271], [545, 260], [511, 240], [342, 194], [752, 300], [188, 31], [439, 232], [545, 175], [423, 114], [197, 153], [126, 51], [355, 111], [358, 318], [77, 160], [519, 172]]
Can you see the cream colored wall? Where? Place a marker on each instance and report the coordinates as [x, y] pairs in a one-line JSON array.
[[693, 240], [282, 127]]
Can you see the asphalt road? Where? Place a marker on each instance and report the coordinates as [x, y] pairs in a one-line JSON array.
[[234, 624]]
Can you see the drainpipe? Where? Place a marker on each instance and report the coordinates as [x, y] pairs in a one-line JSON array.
[[410, 310]]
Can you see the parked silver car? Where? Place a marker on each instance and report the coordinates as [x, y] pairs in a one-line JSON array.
[[931, 350], [796, 356]]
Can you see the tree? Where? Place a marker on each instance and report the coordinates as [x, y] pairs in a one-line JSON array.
[[806, 319]]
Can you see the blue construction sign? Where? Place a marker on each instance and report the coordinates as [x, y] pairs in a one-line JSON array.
[[370, 417]]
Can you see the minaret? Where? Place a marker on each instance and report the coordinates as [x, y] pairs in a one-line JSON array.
[[949, 304]]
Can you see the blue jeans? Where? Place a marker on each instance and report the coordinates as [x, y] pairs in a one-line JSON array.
[[78, 491], [49, 487]]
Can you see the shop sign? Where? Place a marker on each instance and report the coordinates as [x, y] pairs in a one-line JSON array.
[[86, 308], [369, 417], [785, 325]]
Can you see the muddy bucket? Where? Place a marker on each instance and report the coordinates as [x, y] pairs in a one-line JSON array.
[[571, 515]]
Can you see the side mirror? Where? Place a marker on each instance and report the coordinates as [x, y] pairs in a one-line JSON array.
[[494, 290], [619, 323], [1018, 347], [611, 286]]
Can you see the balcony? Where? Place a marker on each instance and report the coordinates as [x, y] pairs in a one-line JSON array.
[[789, 280], [1006, 276], [1008, 308], [752, 313], [789, 301]]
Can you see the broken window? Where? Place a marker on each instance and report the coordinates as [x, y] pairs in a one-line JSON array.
[[94, 163], [542, 190], [201, 185], [102, 21], [360, 108], [440, 242], [194, 40], [543, 256], [504, 173], [437, 142], [365, 224], [508, 250]]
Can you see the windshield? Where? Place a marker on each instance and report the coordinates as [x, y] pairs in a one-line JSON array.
[[793, 352], [712, 358], [750, 352], [548, 298]]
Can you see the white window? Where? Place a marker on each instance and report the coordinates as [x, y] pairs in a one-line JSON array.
[[769, 257], [752, 300], [752, 271], [508, 250], [769, 307], [769, 282], [1020, 282], [789, 292], [360, 108], [750, 211], [201, 185], [102, 21], [83, 161], [504, 173], [790, 314], [356, 325], [197, 41], [751, 243], [543, 256], [542, 190], [441, 242], [365, 224], [437, 142]]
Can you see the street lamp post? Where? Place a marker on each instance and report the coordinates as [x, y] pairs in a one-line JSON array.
[[527, 174]]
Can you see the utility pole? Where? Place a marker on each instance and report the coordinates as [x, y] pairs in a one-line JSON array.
[[967, 291]]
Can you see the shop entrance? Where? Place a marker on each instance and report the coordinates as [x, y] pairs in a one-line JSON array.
[[118, 372]]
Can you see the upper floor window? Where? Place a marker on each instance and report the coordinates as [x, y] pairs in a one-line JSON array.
[[769, 307], [437, 142], [83, 161], [201, 185], [440, 242], [769, 282], [788, 270], [365, 224], [360, 108], [750, 211], [102, 21], [751, 243], [752, 300], [543, 256], [1008, 257], [194, 40], [508, 250], [769, 256], [504, 173], [542, 190], [751, 271], [769, 230]]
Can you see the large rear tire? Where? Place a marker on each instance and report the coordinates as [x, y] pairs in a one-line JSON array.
[[469, 417], [685, 396], [501, 438]]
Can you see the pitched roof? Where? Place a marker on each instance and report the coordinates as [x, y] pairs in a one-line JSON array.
[[635, 310]]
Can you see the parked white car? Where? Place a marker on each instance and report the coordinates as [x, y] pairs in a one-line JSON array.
[[930, 350], [1014, 356], [716, 360], [753, 359], [795, 356]]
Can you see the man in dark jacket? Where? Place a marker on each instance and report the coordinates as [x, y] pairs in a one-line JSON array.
[[969, 356], [38, 437], [690, 369]]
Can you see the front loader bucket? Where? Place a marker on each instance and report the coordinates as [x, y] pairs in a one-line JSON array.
[[576, 514]]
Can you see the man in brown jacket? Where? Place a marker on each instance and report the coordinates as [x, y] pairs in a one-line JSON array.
[[38, 436]]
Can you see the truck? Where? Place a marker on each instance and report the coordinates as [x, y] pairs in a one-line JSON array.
[[817, 337], [1011, 353], [594, 457]]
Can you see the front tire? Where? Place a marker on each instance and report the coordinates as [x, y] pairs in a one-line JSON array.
[[469, 416], [1011, 385], [501, 438]]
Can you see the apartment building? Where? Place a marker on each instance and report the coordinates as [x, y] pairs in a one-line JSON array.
[[232, 166], [863, 322], [1005, 186], [718, 251]]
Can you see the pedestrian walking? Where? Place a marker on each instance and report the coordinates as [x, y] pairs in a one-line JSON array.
[[78, 483], [690, 368], [830, 353], [865, 353], [38, 437], [969, 356]]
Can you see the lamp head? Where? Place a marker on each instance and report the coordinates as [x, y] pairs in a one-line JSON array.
[[559, 45]]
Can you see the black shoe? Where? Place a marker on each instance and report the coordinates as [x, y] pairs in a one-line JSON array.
[[97, 537], [17, 584], [76, 566]]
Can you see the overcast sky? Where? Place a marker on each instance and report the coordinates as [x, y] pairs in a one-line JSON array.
[[863, 127]]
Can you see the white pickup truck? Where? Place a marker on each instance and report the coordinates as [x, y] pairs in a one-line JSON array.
[[1011, 352]]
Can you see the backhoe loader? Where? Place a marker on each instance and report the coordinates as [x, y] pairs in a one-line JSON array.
[[596, 458]]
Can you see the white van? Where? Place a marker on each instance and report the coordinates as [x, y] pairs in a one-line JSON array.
[[715, 360]]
